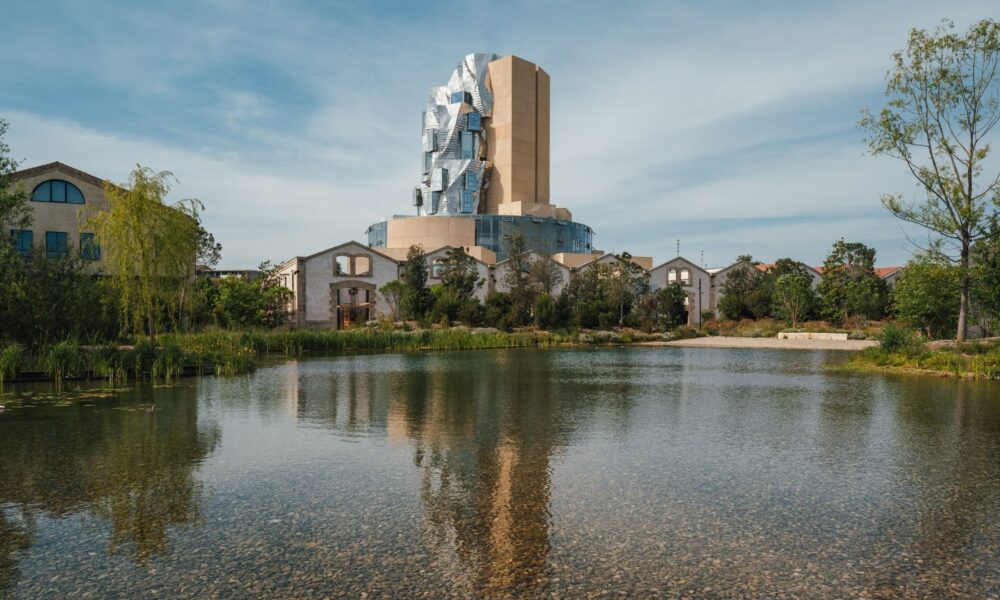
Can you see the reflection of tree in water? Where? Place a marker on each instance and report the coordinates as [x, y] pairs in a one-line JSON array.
[[118, 461], [484, 437]]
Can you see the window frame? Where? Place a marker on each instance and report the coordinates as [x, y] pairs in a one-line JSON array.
[[69, 191], [57, 252]]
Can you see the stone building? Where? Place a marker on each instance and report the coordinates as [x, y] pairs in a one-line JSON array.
[[338, 287], [696, 281], [62, 200]]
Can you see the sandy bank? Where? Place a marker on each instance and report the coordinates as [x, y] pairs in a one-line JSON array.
[[773, 343]]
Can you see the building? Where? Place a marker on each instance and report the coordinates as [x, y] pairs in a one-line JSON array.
[[62, 200], [485, 168]]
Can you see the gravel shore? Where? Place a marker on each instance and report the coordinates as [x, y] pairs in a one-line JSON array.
[[771, 343]]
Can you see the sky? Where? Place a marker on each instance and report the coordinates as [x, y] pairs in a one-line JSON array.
[[730, 126]]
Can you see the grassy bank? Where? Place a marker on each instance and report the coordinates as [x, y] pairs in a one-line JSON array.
[[901, 351], [233, 352], [769, 328]]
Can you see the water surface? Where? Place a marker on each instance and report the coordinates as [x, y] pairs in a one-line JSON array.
[[655, 472]]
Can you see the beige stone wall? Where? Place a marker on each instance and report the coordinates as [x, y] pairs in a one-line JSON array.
[[320, 276], [517, 134], [431, 232], [68, 218]]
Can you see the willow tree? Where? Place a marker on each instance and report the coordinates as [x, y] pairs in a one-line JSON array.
[[151, 247], [943, 97]]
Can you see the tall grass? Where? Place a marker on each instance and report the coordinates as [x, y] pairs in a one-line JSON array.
[[903, 351], [11, 360]]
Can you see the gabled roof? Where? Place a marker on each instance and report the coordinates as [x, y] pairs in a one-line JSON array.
[[765, 267], [57, 166], [884, 272], [679, 258], [344, 245]]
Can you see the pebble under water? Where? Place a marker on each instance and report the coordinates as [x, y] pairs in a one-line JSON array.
[[636, 472]]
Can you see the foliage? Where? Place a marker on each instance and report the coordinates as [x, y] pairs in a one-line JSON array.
[[45, 299], [545, 275], [259, 302], [943, 97], [459, 274], [986, 277], [899, 339], [927, 295], [209, 251], [15, 209], [626, 284], [393, 294], [416, 299], [516, 280], [793, 296], [850, 286], [545, 311], [151, 249], [664, 308], [742, 293], [590, 297]]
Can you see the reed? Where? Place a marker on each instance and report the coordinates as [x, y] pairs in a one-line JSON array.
[[11, 360]]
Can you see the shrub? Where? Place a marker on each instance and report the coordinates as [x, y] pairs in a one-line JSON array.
[[896, 339]]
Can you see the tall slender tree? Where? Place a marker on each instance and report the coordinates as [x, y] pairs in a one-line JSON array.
[[151, 247], [943, 96]]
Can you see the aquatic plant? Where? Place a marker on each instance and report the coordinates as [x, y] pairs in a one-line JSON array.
[[11, 359]]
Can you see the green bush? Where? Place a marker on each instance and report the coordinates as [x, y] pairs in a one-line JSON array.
[[896, 339]]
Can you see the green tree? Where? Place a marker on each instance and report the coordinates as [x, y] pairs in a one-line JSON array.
[[943, 101], [393, 293], [665, 307], [850, 287], [209, 251], [927, 293], [275, 299], [459, 274], [545, 275], [150, 248], [742, 297], [627, 283], [15, 208], [793, 296], [416, 299], [238, 302], [516, 280], [986, 278], [590, 297]]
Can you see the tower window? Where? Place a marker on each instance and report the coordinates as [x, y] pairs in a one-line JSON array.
[[475, 121], [471, 181], [467, 202], [468, 145]]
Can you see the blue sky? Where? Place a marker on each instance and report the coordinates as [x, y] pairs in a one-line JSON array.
[[731, 126]]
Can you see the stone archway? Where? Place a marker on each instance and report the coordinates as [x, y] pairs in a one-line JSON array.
[[351, 302]]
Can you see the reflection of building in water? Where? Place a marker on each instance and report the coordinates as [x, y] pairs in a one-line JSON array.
[[485, 465]]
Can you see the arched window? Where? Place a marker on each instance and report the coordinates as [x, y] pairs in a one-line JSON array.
[[57, 190]]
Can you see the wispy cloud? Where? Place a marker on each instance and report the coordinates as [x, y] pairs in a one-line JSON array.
[[729, 125]]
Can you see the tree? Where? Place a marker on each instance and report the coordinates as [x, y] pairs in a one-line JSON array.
[[850, 286], [627, 283], [393, 293], [589, 297], [545, 274], [209, 251], [416, 299], [459, 274], [986, 276], [516, 280], [943, 102], [927, 295], [741, 294], [151, 248], [793, 295], [15, 209], [274, 297], [238, 302], [665, 307]]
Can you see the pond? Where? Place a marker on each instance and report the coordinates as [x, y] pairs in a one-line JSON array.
[[521, 473]]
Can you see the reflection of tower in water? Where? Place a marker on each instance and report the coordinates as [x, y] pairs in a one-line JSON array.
[[484, 453]]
